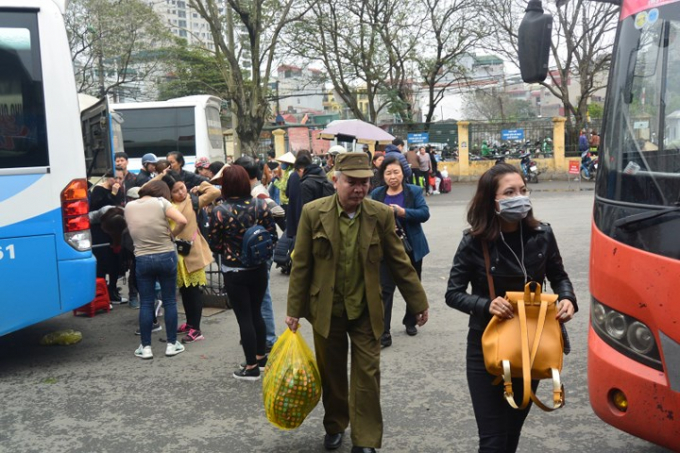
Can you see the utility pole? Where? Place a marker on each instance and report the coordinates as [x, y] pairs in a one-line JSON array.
[[232, 49], [278, 106]]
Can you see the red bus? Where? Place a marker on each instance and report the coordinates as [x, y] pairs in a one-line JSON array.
[[634, 334]]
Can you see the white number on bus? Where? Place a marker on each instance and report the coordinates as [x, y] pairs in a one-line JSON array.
[[9, 249]]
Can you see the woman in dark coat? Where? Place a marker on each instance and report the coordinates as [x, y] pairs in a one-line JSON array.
[[411, 212], [521, 249]]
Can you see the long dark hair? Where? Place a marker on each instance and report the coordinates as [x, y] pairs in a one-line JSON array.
[[113, 223], [481, 215]]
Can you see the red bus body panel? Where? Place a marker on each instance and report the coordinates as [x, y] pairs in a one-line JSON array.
[[644, 286]]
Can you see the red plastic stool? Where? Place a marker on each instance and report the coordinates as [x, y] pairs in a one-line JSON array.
[[101, 301]]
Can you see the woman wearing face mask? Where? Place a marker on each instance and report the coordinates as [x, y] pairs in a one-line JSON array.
[[521, 249]]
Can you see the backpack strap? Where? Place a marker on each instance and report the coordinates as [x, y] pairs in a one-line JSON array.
[[487, 264]]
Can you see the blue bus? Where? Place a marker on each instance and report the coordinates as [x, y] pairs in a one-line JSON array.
[[46, 263]]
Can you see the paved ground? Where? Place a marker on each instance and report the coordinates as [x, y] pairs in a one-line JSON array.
[[97, 397]]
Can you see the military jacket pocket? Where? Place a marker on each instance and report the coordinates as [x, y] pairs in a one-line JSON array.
[[321, 247], [375, 251]]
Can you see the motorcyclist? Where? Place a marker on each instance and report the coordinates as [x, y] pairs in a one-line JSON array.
[[486, 151]]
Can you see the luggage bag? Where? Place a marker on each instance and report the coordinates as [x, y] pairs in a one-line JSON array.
[[445, 186]]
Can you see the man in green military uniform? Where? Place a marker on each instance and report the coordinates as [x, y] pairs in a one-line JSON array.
[[335, 284]]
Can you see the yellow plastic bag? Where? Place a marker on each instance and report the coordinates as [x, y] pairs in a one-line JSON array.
[[292, 384], [62, 337]]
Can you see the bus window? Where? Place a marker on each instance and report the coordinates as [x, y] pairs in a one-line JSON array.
[[642, 143], [159, 131], [23, 137]]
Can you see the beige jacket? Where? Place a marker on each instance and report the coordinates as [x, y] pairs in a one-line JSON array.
[[200, 255]]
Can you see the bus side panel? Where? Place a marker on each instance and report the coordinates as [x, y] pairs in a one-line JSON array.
[[41, 270], [29, 286], [77, 281], [644, 286]]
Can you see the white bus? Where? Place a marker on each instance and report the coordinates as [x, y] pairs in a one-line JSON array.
[[46, 262], [190, 125]]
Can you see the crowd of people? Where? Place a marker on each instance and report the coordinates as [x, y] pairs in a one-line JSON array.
[[355, 225]]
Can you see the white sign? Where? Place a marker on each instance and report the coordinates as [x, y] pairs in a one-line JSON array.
[[641, 125]]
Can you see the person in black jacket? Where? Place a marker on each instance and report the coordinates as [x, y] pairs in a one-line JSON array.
[[314, 183], [521, 249], [145, 174], [191, 180], [294, 194]]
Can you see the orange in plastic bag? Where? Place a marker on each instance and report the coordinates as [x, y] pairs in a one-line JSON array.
[[292, 385]]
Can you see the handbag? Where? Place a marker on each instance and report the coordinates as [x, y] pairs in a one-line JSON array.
[[527, 346], [401, 232], [183, 246]]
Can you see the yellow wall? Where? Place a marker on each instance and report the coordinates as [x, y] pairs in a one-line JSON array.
[[555, 167]]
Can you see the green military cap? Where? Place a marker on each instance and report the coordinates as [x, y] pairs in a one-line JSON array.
[[354, 164]]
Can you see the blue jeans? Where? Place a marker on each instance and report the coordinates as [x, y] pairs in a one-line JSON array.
[[268, 312], [161, 267]]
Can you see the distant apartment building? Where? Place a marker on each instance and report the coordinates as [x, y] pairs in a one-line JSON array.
[[184, 22]]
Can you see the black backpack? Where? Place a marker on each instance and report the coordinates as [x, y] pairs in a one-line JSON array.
[[257, 246]]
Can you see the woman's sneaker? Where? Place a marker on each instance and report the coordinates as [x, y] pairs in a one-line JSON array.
[[173, 349], [144, 352], [248, 375], [261, 363], [184, 328], [192, 336]]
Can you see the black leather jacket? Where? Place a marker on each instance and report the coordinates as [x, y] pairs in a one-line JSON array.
[[542, 260]]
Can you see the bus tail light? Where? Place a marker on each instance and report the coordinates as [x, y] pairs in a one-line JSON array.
[[74, 213], [626, 334]]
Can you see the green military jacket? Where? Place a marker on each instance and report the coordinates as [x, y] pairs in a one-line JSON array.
[[312, 278]]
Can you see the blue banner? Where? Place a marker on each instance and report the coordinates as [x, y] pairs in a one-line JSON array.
[[512, 134], [418, 138]]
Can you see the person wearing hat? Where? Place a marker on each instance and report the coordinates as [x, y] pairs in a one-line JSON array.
[[335, 284], [148, 169], [331, 156], [287, 161], [202, 166]]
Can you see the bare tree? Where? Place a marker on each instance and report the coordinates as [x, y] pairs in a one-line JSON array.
[[493, 105], [345, 37], [453, 29], [114, 44], [582, 41], [401, 33], [262, 24]]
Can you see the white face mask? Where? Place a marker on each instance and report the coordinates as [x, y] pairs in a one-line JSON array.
[[514, 209]]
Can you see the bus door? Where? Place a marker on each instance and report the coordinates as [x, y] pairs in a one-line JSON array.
[[102, 136]]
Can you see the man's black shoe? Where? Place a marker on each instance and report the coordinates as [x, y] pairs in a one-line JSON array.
[[411, 331], [386, 340], [363, 450], [332, 441]]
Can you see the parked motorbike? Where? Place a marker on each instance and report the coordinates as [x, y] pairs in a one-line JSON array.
[[588, 167], [529, 167]]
